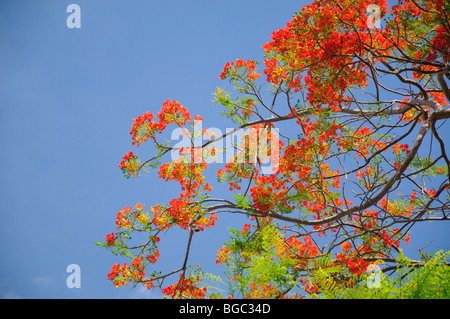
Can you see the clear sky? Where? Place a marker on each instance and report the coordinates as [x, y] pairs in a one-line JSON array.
[[67, 100]]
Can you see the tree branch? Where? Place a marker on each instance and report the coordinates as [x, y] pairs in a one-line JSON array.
[[372, 201], [444, 86]]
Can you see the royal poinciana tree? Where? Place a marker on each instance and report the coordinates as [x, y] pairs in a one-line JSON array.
[[352, 99]]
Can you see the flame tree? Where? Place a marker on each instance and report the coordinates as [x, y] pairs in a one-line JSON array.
[[363, 88]]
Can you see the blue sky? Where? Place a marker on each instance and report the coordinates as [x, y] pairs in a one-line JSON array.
[[67, 100]]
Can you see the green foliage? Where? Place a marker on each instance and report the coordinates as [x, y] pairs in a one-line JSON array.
[[428, 280], [242, 201], [237, 109], [254, 260]]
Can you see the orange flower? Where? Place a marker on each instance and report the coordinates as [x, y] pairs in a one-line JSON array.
[[110, 238], [407, 238], [413, 197], [253, 76], [431, 192], [383, 203], [346, 246]]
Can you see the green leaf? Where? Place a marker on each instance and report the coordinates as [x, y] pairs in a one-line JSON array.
[[100, 244], [242, 201]]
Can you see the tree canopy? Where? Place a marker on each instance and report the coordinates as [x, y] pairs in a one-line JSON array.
[[342, 154]]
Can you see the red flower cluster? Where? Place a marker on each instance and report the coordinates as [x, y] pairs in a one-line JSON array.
[[117, 274], [310, 42], [268, 192], [187, 287], [398, 148], [222, 256], [346, 246], [355, 265], [144, 127], [300, 249], [115, 271], [246, 228], [190, 176], [110, 239], [134, 272], [232, 68], [273, 72], [122, 217], [152, 258], [389, 239], [129, 164], [367, 220], [172, 113], [225, 71], [441, 43], [137, 268]]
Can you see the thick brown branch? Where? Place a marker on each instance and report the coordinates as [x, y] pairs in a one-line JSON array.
[[444, 86], [443, 114]]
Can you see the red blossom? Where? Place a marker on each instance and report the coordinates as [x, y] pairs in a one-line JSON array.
[[110, 238]]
